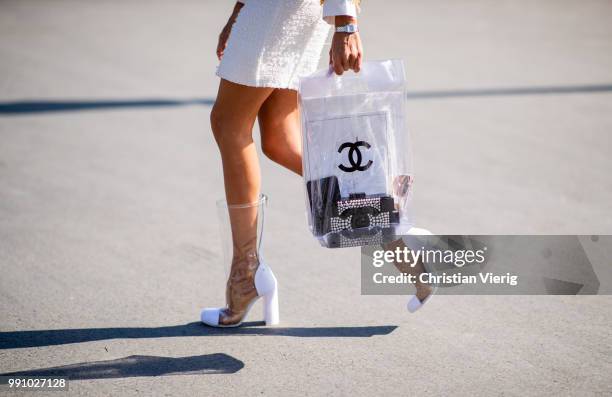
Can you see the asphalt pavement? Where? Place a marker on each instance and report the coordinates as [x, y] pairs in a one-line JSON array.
[[109, 244]]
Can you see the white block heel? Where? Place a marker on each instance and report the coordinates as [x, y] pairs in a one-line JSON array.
[[267, 287], [415, 303], [271, 314]]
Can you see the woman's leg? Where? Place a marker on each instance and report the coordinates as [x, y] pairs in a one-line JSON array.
[[279, 123], [232, 118]]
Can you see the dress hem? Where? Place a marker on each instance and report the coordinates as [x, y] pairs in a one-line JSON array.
[[258, 84]]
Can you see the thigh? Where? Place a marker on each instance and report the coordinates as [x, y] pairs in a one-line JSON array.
[[237, 105], [279, 119]]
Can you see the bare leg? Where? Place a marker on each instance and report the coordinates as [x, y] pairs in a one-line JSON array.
[[279, 122], [232, 119]]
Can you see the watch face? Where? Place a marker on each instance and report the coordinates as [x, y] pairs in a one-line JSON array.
[[347, 29]]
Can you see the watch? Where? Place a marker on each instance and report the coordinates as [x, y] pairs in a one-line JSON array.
[[350, 28]]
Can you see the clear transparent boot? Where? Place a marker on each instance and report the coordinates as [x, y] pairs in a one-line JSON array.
[[248, 277]]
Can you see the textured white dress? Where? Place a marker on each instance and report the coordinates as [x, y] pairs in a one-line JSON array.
[[273, 42]]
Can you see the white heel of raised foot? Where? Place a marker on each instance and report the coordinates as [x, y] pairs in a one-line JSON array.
[[415, 303], [267, 287], [271, 314]]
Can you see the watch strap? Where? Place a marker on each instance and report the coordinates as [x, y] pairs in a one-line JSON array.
[[350, 28]]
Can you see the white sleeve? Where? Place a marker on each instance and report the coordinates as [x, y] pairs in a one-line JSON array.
[[331, 8]]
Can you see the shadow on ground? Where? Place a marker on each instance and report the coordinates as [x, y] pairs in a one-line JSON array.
[[133, 366], [51, 337], [47, 106]]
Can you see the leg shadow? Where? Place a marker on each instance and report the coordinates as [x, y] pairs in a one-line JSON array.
[[27, 107], [133, 366], [52, 337], [59, 105]]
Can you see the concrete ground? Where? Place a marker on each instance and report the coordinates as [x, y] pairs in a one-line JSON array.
[[108, 178]]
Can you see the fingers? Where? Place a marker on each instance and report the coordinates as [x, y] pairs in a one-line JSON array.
[[351, 60], [357, 66], [358, 54], [335, 57], [345, 63], [222, 43], [221, 46], [338, 68], [342, 60], [219, 51], [345, 54]]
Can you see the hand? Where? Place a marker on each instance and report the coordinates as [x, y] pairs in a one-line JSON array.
[[345, 52], [222, 43], [227, 29]]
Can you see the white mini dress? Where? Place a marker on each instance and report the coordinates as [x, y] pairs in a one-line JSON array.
[[274, 42]]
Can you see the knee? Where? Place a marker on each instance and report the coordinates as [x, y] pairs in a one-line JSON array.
[[225, 128]]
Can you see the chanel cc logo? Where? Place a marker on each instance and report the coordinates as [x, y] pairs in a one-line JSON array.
[[354, 156]]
